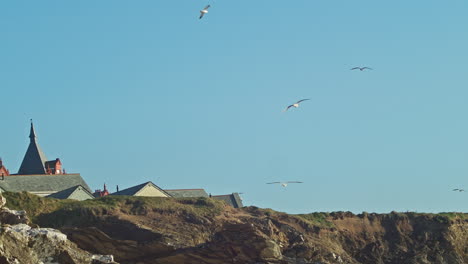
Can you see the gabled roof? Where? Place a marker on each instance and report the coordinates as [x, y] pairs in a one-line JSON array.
[[77, 192], [233, 199], [135, 189], [42, 183], [179, 193], [34, 159]]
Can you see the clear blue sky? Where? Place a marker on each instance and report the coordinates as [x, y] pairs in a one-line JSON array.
[[130, 91]]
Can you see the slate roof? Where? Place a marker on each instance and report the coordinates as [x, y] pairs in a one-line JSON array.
[[42, 183], [135, 189], [34, 159], [67, 193], [180, 193], [233, 199]]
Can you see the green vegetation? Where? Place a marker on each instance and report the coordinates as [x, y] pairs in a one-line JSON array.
[[453, 215], [317, 219], [270, 212], [440, 217], [56, 212], [34, 205]]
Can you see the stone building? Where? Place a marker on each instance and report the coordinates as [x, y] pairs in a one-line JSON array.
[[187, 193], [35, 161], [147, 189], [78, 192], [3, 170], [38, 175], [233, 199], [101, 193]]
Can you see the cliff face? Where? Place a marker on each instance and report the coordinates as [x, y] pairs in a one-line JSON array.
[[162, 230], [22, 243]]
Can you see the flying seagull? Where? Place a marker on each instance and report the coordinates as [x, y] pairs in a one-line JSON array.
[[296, 104], [458, 190], [284, 184], [204, 11], [361, 68]]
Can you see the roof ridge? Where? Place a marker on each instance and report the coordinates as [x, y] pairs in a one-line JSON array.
[[183, 189]]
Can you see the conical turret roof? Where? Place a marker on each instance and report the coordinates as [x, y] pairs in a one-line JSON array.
[[34, 160]]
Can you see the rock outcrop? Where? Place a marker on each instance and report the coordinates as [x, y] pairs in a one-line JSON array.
[[203, 231], [20, 243]]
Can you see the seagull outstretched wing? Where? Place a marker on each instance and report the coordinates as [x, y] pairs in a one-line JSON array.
[[361, 68], [204, 11], [272, 182], [287, 108], [302, 100]]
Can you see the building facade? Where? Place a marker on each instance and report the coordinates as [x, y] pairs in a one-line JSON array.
[[38, 175], [3, 170]]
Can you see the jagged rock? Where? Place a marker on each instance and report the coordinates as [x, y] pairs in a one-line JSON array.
[[279, 239], [53, 235], [24, 244], [2, 201], [204, 234], [98, 259], [13, 217], [271, 250], [20, 243]]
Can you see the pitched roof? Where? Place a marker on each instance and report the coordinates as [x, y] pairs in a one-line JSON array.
[[34, 159], [135, 189], [179, 193], [233, 199], [73, 193], [42, 183]]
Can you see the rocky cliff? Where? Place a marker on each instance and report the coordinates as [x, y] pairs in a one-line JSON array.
[[204, 231], [23, 242]]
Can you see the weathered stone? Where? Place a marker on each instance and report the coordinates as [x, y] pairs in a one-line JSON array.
[[13, 217], [102, 259], [271, 250], [23, 244], [171, 235], [2, 201]]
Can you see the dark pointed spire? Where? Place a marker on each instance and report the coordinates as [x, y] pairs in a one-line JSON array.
[[34, 159], [32, 133]]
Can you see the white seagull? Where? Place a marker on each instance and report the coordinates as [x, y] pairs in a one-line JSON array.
[[296, 104], [204, 11], [458, 190], [284, 184], [361, 68]]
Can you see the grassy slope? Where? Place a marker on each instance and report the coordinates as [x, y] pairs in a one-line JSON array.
[[37, 206]]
